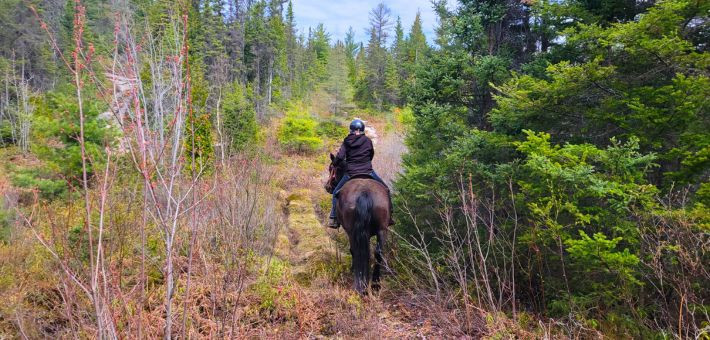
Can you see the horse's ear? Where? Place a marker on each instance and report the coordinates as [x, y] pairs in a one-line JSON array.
[[332, 157]]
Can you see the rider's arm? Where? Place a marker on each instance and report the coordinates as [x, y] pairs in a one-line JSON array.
[[372, 150], [340, 156]]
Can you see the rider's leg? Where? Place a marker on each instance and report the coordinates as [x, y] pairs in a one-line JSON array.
[[374, 176], [335, 199]]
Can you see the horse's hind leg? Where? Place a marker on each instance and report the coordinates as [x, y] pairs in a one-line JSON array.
[[379, 259]]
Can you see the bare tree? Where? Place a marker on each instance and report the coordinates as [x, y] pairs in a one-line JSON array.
[[15, 107], [380, 23]]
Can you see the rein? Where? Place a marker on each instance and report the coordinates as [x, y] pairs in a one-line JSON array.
[[335, 175]]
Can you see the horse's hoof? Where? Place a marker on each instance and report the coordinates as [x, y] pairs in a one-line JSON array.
[[361, 290]]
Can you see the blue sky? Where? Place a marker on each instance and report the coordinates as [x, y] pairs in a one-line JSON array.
[[338, 15]]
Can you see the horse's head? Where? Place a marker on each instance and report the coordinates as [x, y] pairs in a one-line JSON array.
[[335, 174]]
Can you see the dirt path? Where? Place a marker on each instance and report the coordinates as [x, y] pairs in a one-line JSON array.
[[319, 262]]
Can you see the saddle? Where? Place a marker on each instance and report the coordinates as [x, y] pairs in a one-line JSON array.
[[362, 176], [367, 176]]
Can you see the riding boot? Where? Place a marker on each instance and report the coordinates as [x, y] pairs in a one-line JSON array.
[[332, 219]]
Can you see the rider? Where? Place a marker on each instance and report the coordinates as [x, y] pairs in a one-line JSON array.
[[357, 152]]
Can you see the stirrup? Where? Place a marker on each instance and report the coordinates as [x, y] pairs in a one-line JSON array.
[[333, 223]]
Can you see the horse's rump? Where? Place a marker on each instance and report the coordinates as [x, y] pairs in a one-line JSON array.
[[349, 193]]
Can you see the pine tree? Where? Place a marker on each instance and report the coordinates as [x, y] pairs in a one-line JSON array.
[[373, 88], [276, 53], [212, 32], [291, 52], [240, 126], [256, 53], [444, 30], [338, 85], [397, 65], [319, 45], [417, 47], [351, 51], [393, 81]]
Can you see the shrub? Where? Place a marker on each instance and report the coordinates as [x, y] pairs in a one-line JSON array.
[[240, 125], [332, 129], [404, 116], [198, 143], [56, 127], [30, 178], [6, 217], [298, 132], [273, 291]]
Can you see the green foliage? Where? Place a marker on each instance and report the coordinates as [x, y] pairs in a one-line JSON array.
[[56, 144], [239, 123], [337, 84], [320, 43], [332, 128], [617, 95], [199, 148], [601, 254], [46, 182], [571, 191], [6, 219], [274, 298], [405, 117], [298, 132], [416, 46], [613, 92]]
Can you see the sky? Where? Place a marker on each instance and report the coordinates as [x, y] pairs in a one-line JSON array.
[[338, 15]]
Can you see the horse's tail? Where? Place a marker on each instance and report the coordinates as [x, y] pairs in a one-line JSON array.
[[361, 241]]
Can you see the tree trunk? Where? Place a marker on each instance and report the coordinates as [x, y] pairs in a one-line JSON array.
[[271, 80]]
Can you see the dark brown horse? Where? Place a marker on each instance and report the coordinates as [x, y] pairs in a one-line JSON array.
[[363, 210]]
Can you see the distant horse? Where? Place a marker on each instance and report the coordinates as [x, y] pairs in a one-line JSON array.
[[363, 210]]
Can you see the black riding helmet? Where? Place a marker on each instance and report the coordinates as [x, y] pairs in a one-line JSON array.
[[357, 125]]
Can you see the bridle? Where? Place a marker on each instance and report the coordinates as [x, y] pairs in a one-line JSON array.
[[333, 178]]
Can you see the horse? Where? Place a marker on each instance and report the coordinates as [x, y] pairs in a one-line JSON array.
[[363, 210]]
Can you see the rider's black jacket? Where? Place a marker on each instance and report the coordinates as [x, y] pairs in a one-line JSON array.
[[357, 152]]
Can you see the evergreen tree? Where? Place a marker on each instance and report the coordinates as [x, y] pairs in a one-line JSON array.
[[292, 47], [567, 143], [351, 51], [443, 29], [276, 53], [396, 67], [212, 33], [416, 46], [338, 85], [319, 45], [373, 90], [256, 54], [240, 126]]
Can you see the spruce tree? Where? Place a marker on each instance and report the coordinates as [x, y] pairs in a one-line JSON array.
[[416, 46], [337, 84]]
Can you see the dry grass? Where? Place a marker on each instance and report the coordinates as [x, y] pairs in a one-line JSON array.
[[239, 219]]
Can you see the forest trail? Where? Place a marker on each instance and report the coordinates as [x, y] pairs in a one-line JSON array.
[[319, 263]]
